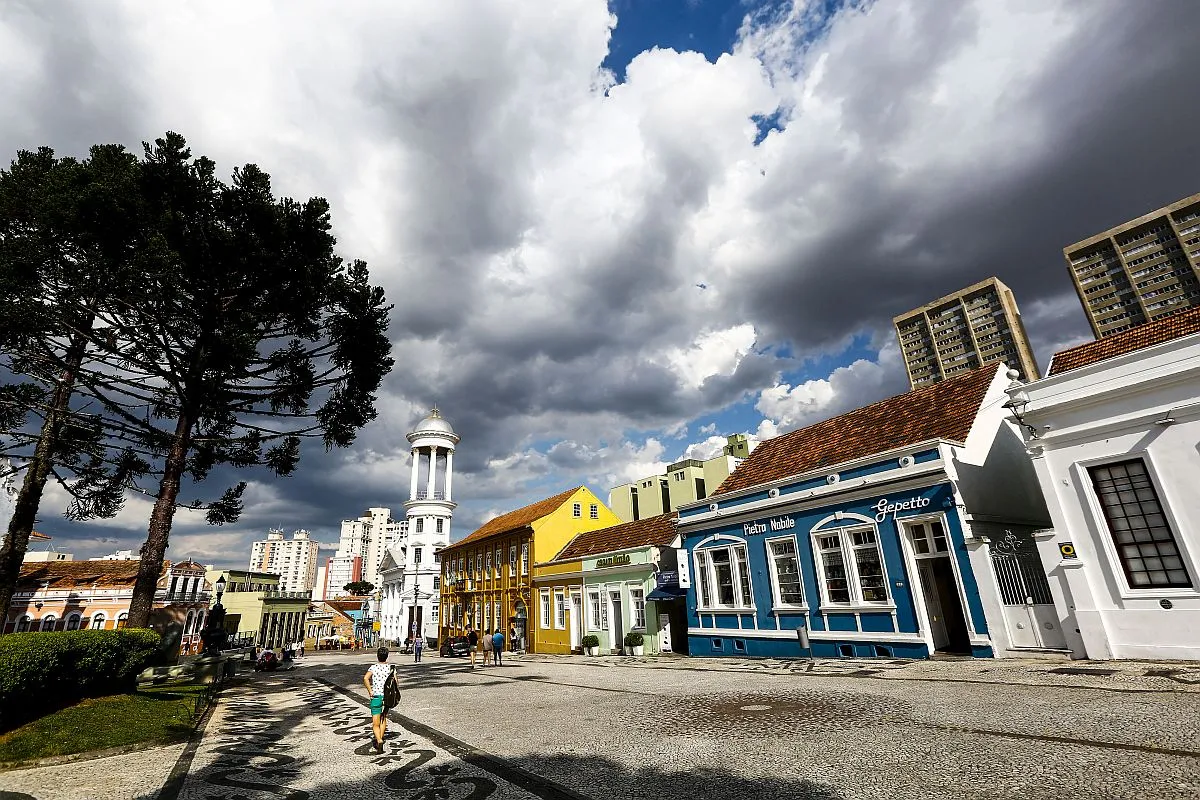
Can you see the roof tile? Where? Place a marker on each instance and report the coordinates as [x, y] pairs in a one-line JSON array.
[[69, 574], [513, 520], [1163, 329], [658, 530], [945, 410]]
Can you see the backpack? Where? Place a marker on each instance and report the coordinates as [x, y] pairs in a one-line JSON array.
[[391, 691]]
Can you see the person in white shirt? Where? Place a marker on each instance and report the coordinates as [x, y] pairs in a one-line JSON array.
[[376, 681]]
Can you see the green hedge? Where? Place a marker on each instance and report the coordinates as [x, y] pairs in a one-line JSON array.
[[43, 672]]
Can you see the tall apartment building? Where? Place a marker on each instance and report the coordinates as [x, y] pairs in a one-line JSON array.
[[1139, 271], [684, 481], [293, 560], [369, 538], [967, 329], [339, 571]]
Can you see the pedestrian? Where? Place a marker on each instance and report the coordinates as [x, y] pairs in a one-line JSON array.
[[487, 647], [472, 643], [498, 648], [418, 646], [376, 680]]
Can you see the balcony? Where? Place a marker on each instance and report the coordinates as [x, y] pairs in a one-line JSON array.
[[423, 495]]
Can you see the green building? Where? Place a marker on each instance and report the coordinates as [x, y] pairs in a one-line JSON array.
[[684, 482]]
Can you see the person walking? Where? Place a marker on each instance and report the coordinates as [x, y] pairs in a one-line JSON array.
[[487, 647], [498, 648], [376, 680], [472, 643], [418, 646]]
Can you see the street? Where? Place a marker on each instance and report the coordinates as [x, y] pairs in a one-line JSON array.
[[622, 727]]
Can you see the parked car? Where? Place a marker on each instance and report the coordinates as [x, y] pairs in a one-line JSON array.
[[455, 646]]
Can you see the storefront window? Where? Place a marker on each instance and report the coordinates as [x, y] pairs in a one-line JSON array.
[[788, 589], [593, 621], [724, 577], [833, 566], [545, 608], [637, 598], [560, 609], [871, 578]]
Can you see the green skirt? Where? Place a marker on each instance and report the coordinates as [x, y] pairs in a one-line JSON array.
[[376, 704]]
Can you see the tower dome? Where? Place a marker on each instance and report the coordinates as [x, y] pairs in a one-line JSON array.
[[434, 423]]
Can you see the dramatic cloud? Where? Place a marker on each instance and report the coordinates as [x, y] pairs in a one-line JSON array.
[[585, 269]]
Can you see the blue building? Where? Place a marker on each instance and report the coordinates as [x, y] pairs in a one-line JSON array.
[[901, 529]]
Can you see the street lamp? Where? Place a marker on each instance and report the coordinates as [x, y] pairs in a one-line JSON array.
[[214, 634], [1018, 401]]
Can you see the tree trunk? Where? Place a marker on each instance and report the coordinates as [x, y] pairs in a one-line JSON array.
[[20, 527], [155, 547]]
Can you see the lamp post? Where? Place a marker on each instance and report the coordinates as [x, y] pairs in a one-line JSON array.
[[214, 634]]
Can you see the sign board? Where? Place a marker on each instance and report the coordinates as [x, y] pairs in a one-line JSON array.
[[670, 578], [614, 561], [1067, 550], [681, 566], [375, 627]]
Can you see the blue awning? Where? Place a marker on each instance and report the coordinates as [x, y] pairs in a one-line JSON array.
[[667, 593]]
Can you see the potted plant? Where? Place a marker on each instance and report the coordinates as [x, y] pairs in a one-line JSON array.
[[591, 644], [633, 643]]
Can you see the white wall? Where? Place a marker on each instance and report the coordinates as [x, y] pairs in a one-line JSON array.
[[1104, 413]]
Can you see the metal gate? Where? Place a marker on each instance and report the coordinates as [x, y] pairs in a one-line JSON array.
[[1029, 611]]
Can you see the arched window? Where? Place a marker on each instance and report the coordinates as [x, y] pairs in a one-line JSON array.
[[48, 622], [73, 622], [24, 623], [99, 621], [199, 620], [122, 619], [187, 626]]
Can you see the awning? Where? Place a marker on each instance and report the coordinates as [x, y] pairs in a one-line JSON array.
[[667, 593]]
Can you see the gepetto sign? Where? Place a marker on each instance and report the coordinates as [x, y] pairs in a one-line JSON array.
[[883, 508]]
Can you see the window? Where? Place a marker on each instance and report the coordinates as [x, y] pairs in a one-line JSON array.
[[98, 622], [191, 620], [525, 558], [1147, 548], [440, 524], [545, 608], [560, 609], [851, 567], [420, 525], [512, 560], [577, 510], [499, 560], [594, 511], [433, 613], [48, 622], [487, 616], [488, 565], [604, 616], [24, 623], [637, 598], [437, 582], [785, 572], [478, 564], [724, 577], [593, 620], [417, 556]]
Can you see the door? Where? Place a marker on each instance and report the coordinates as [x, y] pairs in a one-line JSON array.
[[576, 616], [618, 622], [944, 611], [1030, 617]]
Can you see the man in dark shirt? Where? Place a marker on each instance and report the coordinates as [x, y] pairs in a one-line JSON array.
[[473, 641]]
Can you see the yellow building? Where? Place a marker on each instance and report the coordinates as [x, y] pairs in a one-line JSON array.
[[684, 482], [558, 609], [487, 577]]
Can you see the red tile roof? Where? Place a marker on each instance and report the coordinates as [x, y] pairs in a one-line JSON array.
[[70, 574], [513, 520], [1163, 329], [658, 530], [945, 410]]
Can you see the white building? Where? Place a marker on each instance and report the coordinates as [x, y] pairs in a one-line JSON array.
[[369, 537], [321, 586], [1113, 434], [293, 560], [120, 555], [339, 571], [411, 572]]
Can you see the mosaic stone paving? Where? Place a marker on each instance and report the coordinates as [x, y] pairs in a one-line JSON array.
[[315, 742]]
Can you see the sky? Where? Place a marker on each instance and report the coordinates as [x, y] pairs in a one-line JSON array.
[[615, 233]]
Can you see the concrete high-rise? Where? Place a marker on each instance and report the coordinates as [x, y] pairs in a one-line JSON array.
[[1140, 271], [369, 538], [293, 560], [967, 329], [684, 481]]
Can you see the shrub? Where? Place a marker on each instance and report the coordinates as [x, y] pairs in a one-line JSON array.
[[43, 672], [634, 639], [591, 640]]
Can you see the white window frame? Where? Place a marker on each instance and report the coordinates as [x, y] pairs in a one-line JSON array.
[[593, 511], [577, 510], [525, 558], [637, 604], [499, 561], [853, 578], [487, 564], [773, 571], [544, 607], [702, 561], [594, 614], [512, 561], [560, 610]]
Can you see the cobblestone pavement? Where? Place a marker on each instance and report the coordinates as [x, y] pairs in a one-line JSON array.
[[126, 776], [663, 728]]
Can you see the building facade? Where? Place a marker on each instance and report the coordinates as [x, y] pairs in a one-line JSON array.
[[905, 528], [411, 574], [684, 482], [339, 571], [974, 327], [610, 582], [487, 577], [368, 538], [257, 609], [1140, 271], [1113, 432], [95, 595], [293, 560]]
